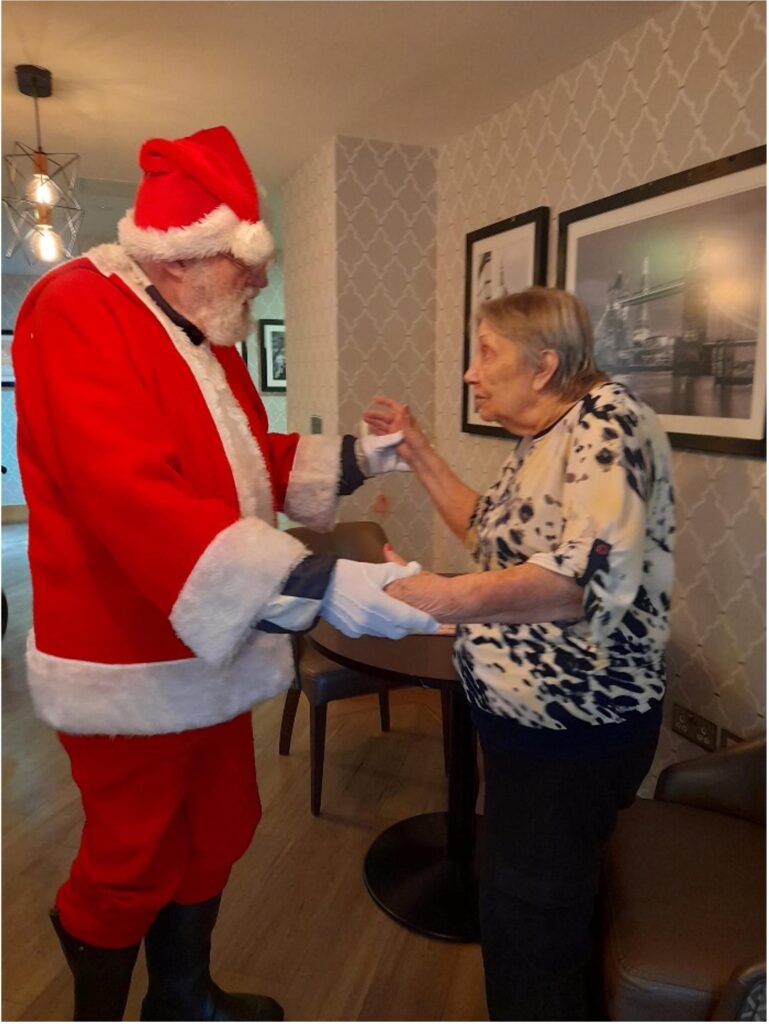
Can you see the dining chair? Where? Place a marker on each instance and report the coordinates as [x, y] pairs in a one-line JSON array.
[[322, 680]]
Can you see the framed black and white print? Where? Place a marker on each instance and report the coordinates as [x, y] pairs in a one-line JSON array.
[[500, 259], [673, 276], [272, 356], [8, 377]]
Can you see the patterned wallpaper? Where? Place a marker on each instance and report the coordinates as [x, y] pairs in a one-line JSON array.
[[385, 217], [359, 223], [686, 87]]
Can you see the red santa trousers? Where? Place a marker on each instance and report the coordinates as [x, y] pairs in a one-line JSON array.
[[166, 817]]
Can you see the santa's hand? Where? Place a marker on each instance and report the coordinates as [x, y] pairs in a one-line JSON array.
[[381, 455], [356, 604]]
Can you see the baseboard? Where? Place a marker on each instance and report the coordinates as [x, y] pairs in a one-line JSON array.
[[15, 513]]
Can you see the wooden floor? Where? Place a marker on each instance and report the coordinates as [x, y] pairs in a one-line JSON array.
[[296, 921]]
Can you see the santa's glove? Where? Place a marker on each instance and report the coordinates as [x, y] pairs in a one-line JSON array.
[[356, 604], [379, 454]]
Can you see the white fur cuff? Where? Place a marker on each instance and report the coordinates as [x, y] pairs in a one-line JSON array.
[[238, 573], [311, 496]]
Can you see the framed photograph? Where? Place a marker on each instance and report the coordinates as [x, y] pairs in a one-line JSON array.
[[272, 356], [673, 276], [8, 379], [500, 259], [244, 351]]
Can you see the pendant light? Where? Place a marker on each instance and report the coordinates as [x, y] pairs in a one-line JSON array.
[[42, 208]]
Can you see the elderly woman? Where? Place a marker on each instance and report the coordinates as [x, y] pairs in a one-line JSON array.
[[562, 634]]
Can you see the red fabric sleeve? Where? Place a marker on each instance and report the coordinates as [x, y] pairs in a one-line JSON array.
[[282, 453], [279, 450]]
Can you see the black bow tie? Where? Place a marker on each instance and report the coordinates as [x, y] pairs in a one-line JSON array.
[[194, 333]]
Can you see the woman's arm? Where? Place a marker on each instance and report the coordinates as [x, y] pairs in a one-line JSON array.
[[522, 593], [454, 500]]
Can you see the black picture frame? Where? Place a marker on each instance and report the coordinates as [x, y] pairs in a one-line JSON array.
[[272, 356], [8, 376], [516, 244], [698, 237]]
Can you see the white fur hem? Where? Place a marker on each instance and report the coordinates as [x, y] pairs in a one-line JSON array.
[[91, 698], [219, 231], [311, 496], [222, 599]]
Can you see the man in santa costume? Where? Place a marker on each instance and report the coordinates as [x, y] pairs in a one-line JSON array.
[[163, 594]]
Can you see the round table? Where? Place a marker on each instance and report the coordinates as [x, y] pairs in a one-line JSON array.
[[423, 871]]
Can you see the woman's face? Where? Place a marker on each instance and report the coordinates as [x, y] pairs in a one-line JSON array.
[[502, 380]]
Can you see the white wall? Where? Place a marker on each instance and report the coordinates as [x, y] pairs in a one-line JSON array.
[[309, 234], [268, 305]]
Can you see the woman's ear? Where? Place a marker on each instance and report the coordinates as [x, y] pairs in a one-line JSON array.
[[548, 361]]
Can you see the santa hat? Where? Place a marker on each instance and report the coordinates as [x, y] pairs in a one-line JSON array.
[[197, 198]]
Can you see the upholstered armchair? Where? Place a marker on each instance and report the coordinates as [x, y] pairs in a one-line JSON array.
[[684, 897]]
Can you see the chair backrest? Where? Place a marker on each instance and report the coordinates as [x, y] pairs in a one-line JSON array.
[[319, 543], [730, 781], [360, 541]]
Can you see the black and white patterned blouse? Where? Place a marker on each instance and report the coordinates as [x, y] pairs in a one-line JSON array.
[[591, 498]]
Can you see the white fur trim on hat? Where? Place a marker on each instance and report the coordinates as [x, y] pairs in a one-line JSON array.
[[253, 243], [217, 232]]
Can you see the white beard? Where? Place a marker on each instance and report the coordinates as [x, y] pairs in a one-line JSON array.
[[224, 319]]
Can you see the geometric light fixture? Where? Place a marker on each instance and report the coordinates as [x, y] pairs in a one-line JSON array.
[[42, 208]]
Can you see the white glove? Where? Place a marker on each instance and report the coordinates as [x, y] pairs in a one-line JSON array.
[[355, 603], [379, 452]]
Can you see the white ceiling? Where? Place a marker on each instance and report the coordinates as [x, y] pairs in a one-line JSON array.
[[285, 76]]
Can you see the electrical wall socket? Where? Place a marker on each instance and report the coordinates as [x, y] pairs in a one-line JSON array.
[[694, 727], [728, 739]]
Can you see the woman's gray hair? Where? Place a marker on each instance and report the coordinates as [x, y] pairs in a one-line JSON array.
[[548, 318]]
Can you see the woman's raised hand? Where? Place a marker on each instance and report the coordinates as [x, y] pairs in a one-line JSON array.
[[387, 416]]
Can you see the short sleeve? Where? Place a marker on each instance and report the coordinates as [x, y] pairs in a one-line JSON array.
[[606, 488]]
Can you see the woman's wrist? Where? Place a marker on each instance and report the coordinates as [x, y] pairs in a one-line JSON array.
[[422, 452]]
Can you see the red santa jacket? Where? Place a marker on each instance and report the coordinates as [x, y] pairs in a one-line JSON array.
[[152, 484]]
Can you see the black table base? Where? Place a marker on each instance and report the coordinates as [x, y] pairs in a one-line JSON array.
[[423, 871], [408, 872]]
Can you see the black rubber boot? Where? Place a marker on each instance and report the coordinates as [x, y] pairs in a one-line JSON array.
[[178, 949], [102, 976]]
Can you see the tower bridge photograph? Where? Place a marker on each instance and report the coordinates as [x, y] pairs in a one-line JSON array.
[[676, 300]]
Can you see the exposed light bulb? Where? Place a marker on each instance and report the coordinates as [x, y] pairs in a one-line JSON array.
[[44, 243], [42, 191]]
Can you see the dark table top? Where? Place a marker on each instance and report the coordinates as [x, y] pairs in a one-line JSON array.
[[427, 657]]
